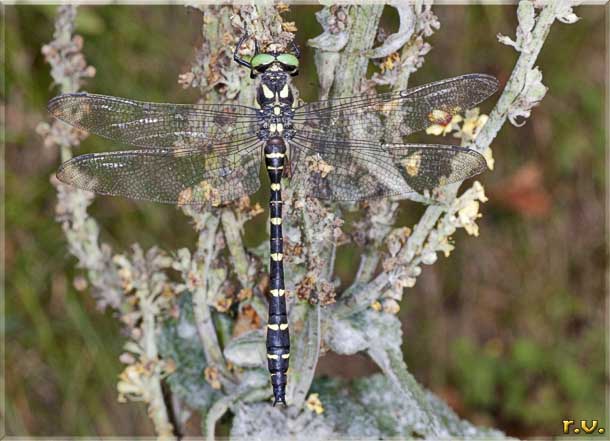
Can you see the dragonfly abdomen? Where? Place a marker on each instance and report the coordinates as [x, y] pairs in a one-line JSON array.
[[278, 338]]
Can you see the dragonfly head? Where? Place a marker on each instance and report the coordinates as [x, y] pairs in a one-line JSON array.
[[275, 62], [274, 59]]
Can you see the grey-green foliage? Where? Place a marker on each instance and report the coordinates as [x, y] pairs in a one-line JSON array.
[[179, 342], [364, 408], [359, 331], [247, 350]]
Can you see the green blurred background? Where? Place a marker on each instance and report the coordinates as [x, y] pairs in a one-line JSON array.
[[510, 330]]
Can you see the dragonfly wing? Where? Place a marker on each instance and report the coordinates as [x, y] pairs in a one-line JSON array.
[[369, 118], [352, 171], [183, 177], [429, 166], [157, 125], [342, 171]]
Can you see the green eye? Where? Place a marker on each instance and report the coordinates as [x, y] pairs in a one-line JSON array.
[[262, 60], [289, 60]]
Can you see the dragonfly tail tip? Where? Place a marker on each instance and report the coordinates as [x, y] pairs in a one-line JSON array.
[[279, 400]]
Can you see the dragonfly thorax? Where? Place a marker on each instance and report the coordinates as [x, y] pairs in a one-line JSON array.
[[274, 88], [275, 100]]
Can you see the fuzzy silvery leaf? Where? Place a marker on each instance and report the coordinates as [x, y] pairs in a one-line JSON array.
[[378, 393], [262, 422], [527, 19], [565, 14], [344, 338], [359, 331], [395, 41], [187, 381], [253, 379], [347, 415], [356, 409], [326, 62], [380, 326], [247, 350], [328, 40], [532, 94]]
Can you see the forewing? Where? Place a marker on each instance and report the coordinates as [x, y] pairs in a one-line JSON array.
[[183, 177], [157, 125], [372, 118], [352, 171]]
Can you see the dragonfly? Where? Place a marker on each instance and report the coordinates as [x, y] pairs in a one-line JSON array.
[[208, 155]]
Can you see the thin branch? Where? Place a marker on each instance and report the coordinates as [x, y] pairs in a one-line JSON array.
[[412, 253], [381, 215], [515, 87]]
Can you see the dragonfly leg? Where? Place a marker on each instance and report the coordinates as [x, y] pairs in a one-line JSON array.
[[295, 49], [236, 56]]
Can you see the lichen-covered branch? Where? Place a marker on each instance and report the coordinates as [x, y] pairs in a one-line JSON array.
[[147, 286], [112, 277], [203, 281], [417, 22], [363, 22], [523, 91]]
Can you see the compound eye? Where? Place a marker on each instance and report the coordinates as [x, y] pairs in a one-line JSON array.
[[289, 62], [261, 62]]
